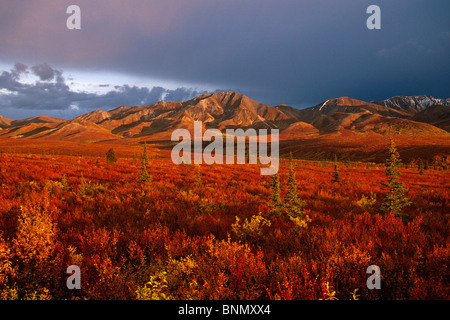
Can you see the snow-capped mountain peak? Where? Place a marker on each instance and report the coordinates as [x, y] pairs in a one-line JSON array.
[[413, 104]]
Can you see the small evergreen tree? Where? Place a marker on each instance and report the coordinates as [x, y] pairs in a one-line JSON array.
[[336, 176], [82, 182], [421, 167], [275, 204], [111, 156], [144, 176], [198, 176], [291, 196], [198, 181], [275, 196], [144, 156], [64, 183], [394, 200], [293, 206]]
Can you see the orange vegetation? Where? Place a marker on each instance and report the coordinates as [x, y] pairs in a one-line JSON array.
[[208, 234]]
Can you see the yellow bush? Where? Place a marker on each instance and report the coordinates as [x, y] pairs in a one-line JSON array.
[[35, 235], [251, 230], [301, 222], [154, 289], [366, 202]]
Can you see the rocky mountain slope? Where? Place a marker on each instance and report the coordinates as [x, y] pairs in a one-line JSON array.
[[403, 115], [351, 114], [413, 104]]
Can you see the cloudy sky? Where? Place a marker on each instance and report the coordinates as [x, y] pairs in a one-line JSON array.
[[297, 52]]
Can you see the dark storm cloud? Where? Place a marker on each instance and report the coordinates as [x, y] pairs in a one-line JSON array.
[[18, 70], [135, 96], [44, 72], [39, 95], [51, 93], [285, 51]]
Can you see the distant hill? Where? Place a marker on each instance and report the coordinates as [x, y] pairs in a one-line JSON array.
[[413, 104], [346, 113], [4, 122], [409, 116], [437, 115], [39, 119]]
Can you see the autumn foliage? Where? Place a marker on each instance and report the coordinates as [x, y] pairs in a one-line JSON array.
[[209, 232]]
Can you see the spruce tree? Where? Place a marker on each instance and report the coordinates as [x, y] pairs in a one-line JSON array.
[[144, 156], [421, 167], [64, 183], [144, 176], [292, 204], [394, 200], [111, 156], [198, 176], [198, 181], [336, 176], [275, 199], [291, 196]]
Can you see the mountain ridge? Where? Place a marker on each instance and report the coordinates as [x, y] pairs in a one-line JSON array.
[[402, 115], [413, 103]]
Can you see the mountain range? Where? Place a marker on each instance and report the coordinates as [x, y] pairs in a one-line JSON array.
[[410, 116]]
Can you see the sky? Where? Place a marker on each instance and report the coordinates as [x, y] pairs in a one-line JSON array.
[[295, 52]]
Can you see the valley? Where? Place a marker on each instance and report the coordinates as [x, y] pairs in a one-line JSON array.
[[140, 226]]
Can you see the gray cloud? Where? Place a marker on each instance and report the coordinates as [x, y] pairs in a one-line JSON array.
[[18, 70], [44, 72], [53, 96]]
